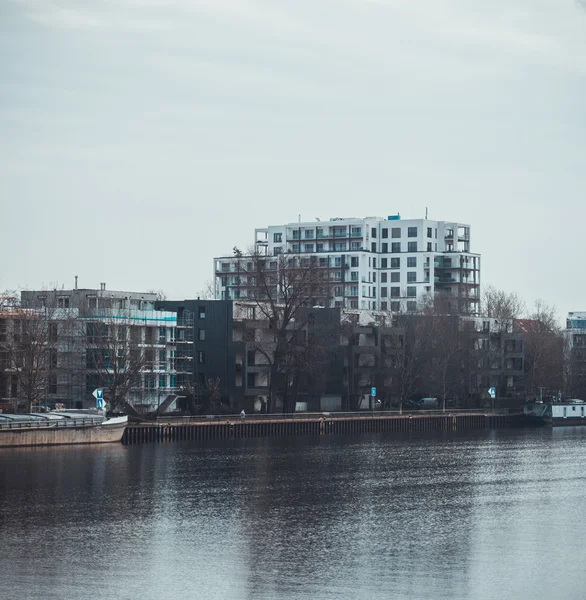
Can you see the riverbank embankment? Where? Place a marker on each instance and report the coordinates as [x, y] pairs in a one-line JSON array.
[[224, 428]]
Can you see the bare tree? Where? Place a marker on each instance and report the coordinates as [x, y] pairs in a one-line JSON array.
[[500, 305], [161, 295], [31, 344], [282, 287], [116, 360], [207, 291], [544, 349]]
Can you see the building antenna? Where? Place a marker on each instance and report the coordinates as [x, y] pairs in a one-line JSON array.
[[300, 217], [426, 212]]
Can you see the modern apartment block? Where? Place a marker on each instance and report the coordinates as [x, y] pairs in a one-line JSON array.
[[90, 329], [228, 342], [375, 263]]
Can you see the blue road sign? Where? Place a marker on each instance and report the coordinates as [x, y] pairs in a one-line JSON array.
[[373, 392]]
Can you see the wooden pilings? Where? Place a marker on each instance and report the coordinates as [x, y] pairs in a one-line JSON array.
[[141, 433]]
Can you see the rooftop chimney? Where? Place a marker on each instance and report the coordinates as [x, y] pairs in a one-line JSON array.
[[103, 287]]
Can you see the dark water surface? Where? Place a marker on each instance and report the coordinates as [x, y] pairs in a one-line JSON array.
[[482, 515]]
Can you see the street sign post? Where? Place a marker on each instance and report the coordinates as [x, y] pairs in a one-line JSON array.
[[372, 396], [98, 394], [492, 393]]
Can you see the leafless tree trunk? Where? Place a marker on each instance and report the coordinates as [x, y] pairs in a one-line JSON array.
[[31, 343], [116, 361], [281, 288]]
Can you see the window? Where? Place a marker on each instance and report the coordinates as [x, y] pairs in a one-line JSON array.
[[412, 247], [411, 276], [411, 262], [309, 234], [411, 291], [354, 290], [355, 245], [63, 302], [383, 263], [202, 312], [395, 263], [396, 306], [337, 261], [395, 292], [162, 335], [52, 332], [354, 261], [278, 250], [396, 232], [353, 303], [319, 247], [373, 232], [373, 247], [319, 232], [411, 305], [162, 381], [340, 247], [338, 291], [384, 247], [383, 306], [53, 384], [411, 231], [251, 358], [383, 292], [277, 238], [202, 335], [374, 263], [374, 277], [201, 357], [383, 277], [251, 379], [385, 233], [296, 234], [308, 247], [429, 232], [295, 247], [356, 231], [429, 246], [395, 277], [53, 358], [396, 247], [354, 276]]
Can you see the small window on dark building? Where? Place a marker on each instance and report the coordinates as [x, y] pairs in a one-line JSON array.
[[202, 312]]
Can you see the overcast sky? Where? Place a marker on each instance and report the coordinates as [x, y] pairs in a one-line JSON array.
[[141, 138]]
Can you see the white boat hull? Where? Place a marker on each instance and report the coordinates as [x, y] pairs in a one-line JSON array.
[[108, 432]]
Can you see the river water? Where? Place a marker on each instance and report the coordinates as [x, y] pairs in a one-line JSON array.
[[477, 515]]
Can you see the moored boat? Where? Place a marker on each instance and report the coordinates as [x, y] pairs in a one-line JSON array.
[[60, 428], [567, 412]]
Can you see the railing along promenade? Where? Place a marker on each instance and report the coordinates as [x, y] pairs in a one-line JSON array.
[[224, 427]]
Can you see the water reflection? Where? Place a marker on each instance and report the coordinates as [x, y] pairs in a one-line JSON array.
[[479, 515]]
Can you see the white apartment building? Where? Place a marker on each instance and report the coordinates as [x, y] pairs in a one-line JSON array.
[[576, 330], [374, 263]]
